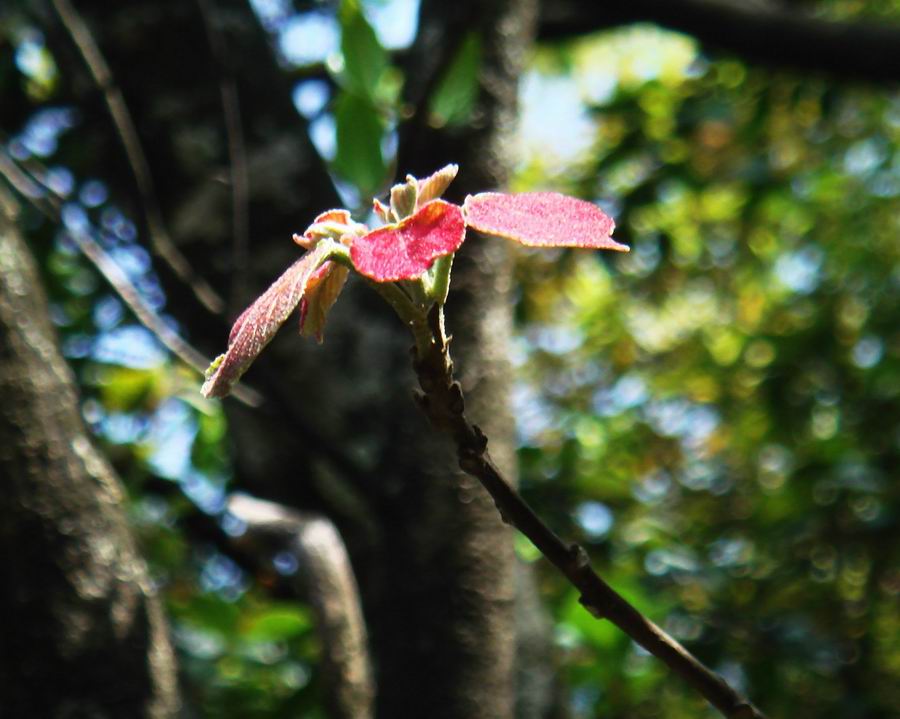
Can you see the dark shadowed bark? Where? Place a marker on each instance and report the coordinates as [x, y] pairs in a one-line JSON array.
[[448, 517], [764, 32], [82, 633]]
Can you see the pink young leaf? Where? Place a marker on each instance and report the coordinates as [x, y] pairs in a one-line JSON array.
[[405, 250], [333, 224], [322, 290], [342, 216], [258, 324], [382, 210], [434, 186], [541, 219]]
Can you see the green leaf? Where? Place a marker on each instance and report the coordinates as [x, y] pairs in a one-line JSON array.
[[277, 622], [364, 59], [403, 198], [209, 612], [127, 389], [359, 134], [434, 186], [454, 99]]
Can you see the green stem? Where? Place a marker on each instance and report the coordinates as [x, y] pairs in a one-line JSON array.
[[437, 279], [408, 310], [411, 315]]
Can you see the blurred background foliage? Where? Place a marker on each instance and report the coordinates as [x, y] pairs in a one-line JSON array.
[[716, 415]]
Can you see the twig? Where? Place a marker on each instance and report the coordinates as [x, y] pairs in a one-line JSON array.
[[355, 473], [237, 152], [49, 204], [442, 400], [160, 239], [324, 578], [147, 316]]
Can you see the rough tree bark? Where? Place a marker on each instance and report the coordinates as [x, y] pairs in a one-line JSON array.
[[82, 632]]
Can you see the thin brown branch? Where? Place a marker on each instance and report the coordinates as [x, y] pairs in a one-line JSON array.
[[442, 400], [324, 578], [765, 33], [237, 152], [43, 198], [49, 205], [148, 317], [160, 239]]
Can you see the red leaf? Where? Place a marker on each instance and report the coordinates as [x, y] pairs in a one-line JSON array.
[[258, 324], [542, 219], [342, 216], [322, 290], [405, 250], [382, 210]]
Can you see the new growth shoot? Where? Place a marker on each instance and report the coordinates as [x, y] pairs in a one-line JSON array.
[[407, 260]]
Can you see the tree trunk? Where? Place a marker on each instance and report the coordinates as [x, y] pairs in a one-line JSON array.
[[82, 633], [338, 432]]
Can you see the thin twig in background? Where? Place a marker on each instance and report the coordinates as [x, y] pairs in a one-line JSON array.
[[443, 402], [237, 154], [147, 316], [357, 474], [49, 204], [322, 576], [160, 239]]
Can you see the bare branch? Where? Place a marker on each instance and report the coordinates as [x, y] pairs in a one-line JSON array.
[[443, 402], [759, 32], [29, 185], [160, 239], [328, 582], [145, 314]]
